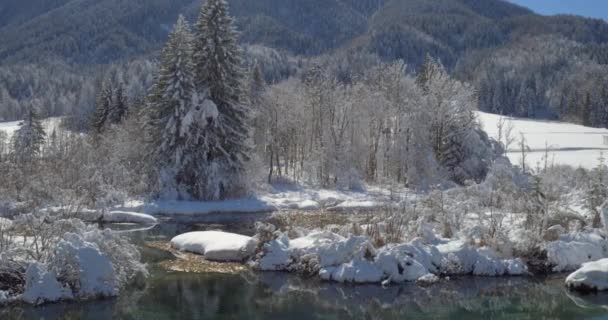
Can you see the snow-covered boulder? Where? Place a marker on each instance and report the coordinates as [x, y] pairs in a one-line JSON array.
[[356, 271], [592, 276], [566, 255], [326, 249], [459, 257], [409, 261], [216, 245], [41, 286]]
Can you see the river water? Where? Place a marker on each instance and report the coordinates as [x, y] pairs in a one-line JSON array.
[[175, 295]]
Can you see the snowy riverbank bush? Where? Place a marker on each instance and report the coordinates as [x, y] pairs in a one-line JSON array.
[[355, 259], [48, 259]]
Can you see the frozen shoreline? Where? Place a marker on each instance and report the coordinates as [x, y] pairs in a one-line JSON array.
[[277, 199]]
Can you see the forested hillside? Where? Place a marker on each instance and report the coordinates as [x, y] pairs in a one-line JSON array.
[[521, 63]]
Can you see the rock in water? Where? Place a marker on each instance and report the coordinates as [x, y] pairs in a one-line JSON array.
[[216, 245], [592, 276]]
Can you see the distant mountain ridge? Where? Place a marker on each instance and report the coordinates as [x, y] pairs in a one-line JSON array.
[[101, 31]]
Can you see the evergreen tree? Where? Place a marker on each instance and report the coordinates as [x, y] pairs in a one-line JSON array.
[[28, 140], [103, 105], [428, 70], [217, 59], [182, 122], [169, 105], [119, 107], [256, 86]]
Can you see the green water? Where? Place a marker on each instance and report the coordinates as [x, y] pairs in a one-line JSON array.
[[172, 295]]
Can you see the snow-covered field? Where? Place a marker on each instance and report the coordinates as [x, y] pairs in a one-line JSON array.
[[12, 126], [568, 143]]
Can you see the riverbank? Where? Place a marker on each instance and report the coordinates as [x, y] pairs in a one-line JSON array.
[[276, 295]]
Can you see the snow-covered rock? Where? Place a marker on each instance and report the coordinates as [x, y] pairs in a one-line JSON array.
[[355, 271], [409, 261], [591, 276], [216, 245], [570, 253], [41, 286], [328, 249], [460, 257]]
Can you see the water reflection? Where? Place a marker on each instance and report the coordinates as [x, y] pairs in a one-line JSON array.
[[283, 296]]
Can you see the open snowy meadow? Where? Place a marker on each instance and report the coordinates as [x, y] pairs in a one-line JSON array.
[[559, 143]]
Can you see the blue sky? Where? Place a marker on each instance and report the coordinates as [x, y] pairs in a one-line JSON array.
[[587, 8]]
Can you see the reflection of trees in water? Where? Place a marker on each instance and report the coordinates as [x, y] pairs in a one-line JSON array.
[[466, 298], [285, 296]]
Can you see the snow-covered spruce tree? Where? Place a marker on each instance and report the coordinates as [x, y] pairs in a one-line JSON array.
[[217, 59], [103, 105], [29, 138], [119, 107], [181, 120]]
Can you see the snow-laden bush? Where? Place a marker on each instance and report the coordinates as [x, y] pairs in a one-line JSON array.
[[52, 259]]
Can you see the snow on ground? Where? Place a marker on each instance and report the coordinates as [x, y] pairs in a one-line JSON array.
[[41, 286], [278, 198], [81, 263], [216, 245], [568, 143], [128, 217], [354, 259], [248, 205], [5, 223], [592, 276], [114, 216], [49, 125], [573, 250]]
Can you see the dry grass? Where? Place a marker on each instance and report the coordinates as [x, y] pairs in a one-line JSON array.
[[309, 220], [193, 263]]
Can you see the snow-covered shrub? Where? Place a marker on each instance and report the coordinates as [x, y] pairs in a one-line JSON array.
[[42, 286], [96, 263], [55, 259]]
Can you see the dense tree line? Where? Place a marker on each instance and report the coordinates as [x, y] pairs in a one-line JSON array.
[[486, 43]]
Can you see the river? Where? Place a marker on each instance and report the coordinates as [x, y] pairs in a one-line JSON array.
[[273, 295]]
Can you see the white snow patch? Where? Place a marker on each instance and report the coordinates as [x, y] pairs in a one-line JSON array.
[[354, 259], [5, 223], [567, 256], [355, 271], [216, 245], [591, 276], [128, 217], [93, 270], [49, 125], [568, 144], [41, 286]]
